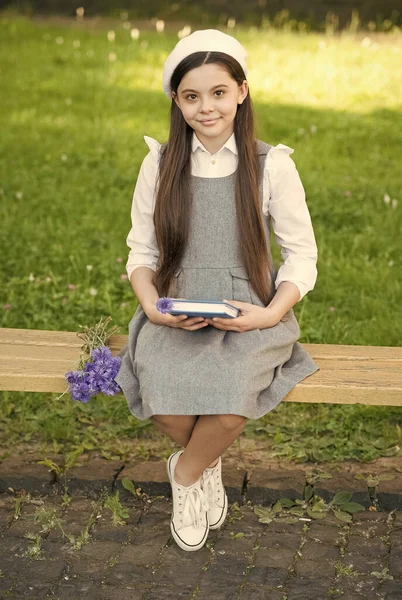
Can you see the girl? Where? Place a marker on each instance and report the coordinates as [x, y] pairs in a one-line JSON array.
[[201, 216]]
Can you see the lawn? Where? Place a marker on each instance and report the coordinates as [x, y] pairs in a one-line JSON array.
[[79, 100]]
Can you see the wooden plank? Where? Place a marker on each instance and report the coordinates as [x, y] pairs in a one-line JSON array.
[[347, 368], [37, 360], [41, 337], [309, 390], [43, 353], [39, 353], [345, 373], [347, 384], [335, 395], [361, 353]]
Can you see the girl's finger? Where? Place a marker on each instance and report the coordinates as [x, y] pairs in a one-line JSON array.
[[227, 328], [185, 317], [195, 327], [194, 320]]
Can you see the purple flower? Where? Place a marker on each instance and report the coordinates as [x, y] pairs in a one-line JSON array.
[[74, 376], [164, 305], [115, 365], [101, 354], [79, 387], [97, 376], [80, 392], [112, 389]]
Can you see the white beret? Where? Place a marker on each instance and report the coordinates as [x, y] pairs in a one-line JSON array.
[[201, 41]]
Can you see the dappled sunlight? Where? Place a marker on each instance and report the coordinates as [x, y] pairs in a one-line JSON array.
[[317, 71], [137, 76], [326, 72], [342, 74]]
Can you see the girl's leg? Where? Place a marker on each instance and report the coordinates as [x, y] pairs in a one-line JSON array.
[[177, 427], [211, 436]]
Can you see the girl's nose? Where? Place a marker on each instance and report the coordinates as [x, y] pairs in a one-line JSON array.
[[206, 106]]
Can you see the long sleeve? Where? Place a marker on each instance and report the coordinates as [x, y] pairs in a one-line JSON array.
[[285, 201], [141, 239]]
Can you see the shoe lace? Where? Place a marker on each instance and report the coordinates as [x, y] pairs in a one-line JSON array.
[[211, 484], [191, 505]]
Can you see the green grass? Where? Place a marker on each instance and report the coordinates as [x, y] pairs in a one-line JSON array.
[[72, 119]]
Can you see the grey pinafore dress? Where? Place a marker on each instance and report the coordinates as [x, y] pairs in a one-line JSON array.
[[171, 371]]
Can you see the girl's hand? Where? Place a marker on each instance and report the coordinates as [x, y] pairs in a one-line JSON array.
[[252, 317], [182, 321]]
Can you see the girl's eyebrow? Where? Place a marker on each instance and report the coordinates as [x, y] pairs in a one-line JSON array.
[[214, 88]]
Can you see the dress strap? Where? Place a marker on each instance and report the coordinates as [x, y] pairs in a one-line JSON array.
[[263, 147]]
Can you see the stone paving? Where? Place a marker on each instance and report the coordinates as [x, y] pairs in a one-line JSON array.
[[59, 539], [139, 560]]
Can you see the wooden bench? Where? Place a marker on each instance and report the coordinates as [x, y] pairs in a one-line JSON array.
[[36, 361]]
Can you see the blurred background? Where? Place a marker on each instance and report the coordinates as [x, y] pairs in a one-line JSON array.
[[310, 14], [81, 86]]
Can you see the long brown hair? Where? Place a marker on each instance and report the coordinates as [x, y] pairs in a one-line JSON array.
[[173, 199]]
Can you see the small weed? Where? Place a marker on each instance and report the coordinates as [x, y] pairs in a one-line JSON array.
[[19, 500], [34, 551], [83, 538], [382, 575], [312, 505], [47, 518], [129, 485], [235, 513], [113, 561], [373, 482], [118, 511], [340, 504], [70, 459], [66, 499], [344, 571], [78, 542], [237, 536]]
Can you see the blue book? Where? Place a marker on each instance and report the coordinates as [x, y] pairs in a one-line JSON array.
[[204, 308]]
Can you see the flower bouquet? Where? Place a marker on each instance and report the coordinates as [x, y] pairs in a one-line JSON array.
[[97, 367]]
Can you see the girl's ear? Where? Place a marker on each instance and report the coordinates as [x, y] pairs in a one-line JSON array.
[[174, 96], [243, 91]]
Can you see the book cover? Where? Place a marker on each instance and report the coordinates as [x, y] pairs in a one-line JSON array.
[[199, 308]]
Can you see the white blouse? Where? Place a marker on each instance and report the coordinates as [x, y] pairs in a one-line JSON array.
[[283, 199]]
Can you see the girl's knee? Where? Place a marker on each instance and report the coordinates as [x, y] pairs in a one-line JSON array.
[[230, 422]]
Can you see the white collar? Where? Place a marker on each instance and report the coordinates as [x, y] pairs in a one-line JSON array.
[[230, 144]]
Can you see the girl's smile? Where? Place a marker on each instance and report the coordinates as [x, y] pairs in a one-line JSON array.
[[209, 121]]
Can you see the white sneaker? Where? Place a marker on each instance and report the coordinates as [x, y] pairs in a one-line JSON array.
[[189, 523], [217, 500]]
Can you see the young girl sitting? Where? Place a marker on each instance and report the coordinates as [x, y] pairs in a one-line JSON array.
[[201, 215]]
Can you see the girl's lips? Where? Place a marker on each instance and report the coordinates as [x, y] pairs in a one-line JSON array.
[[211, 122]]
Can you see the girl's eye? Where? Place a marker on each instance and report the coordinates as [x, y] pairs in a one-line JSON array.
[[189, 96]]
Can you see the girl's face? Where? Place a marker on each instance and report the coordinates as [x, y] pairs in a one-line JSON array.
[[208, 98]]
